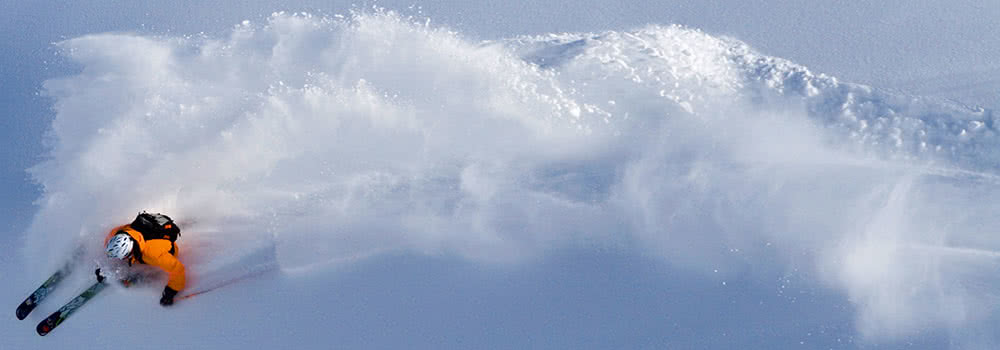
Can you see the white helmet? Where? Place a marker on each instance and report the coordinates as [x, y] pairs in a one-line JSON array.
[[120, 246]]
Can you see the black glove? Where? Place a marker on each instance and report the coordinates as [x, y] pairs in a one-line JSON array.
[[100, 279], [168, 296]]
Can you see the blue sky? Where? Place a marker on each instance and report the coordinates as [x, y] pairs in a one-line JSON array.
[[487, 243]]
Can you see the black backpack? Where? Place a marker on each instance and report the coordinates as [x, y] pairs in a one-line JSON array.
[[156, 226]]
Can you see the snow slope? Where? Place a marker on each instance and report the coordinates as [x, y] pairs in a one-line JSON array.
[[314, 148]]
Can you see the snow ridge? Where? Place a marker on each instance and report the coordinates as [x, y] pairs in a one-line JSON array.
[[675, 59]]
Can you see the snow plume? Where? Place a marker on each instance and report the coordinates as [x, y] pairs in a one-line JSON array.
[[308, 142]]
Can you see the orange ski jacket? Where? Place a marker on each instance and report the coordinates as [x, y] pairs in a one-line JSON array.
[[161, 253]]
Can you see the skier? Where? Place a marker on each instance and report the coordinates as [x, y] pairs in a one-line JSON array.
[[150, 240]]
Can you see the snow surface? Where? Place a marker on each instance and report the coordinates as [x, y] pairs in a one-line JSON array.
[[308, 147]]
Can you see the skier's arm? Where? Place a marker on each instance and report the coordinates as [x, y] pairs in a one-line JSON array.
[[166, 261]]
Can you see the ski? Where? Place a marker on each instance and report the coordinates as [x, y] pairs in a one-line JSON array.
[[50, 323], [43, 291]]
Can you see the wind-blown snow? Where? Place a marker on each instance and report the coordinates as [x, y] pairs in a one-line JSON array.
[[308, 143]]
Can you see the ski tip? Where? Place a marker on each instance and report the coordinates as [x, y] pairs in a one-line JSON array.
[[48, 324], [43, 329], [23, 311]]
